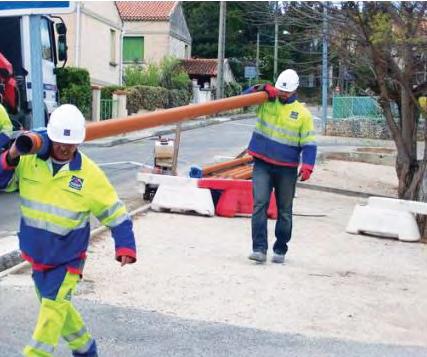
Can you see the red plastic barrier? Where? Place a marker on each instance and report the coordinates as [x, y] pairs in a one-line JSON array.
[[236, 197]]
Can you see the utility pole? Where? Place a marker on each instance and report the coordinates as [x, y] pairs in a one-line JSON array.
[[325, 68], [221, 50], [257, 56], [276, 47]]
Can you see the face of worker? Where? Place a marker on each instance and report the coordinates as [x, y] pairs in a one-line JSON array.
[[285, 95], [63, 152]]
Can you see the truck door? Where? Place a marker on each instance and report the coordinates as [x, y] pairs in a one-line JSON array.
[[48, 64]]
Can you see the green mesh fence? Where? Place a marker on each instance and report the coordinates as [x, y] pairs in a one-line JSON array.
[[344, 107]]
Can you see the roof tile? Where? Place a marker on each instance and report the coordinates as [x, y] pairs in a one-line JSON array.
[[145, 10], [200, 66]]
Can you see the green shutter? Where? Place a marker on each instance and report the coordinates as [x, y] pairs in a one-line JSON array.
[[133, 49]]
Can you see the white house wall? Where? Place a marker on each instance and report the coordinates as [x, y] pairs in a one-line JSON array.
[[178, 48], [94, 51]]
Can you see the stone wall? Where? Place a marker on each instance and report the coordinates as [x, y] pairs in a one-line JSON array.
[[363, 128]]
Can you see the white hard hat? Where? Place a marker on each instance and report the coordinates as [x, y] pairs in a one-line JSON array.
[[288, 81], [66, 125]]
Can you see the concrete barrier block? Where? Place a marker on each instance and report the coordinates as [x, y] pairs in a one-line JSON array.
[[396, 204], [383, 222], [183, 199], [156, 180]]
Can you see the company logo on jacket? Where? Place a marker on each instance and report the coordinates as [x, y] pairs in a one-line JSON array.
[[76, 183]]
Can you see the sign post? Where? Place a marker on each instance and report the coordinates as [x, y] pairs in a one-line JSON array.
[[250, 73]]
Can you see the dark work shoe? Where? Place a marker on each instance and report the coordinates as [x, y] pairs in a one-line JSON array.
[[278, 258], [259, 257]]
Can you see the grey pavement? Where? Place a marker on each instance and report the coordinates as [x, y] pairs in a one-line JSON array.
[[137, 333]]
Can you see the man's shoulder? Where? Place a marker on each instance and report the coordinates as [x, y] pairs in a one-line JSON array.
[[302, 108], [90, 167]]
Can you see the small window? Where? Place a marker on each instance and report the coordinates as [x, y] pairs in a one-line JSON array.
[[45, 39], [133, 49], [112, 47]]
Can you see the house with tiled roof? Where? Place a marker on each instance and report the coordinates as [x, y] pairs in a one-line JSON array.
[[153, 30], [204, 71]]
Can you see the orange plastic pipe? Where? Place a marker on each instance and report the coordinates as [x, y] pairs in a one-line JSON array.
[[168, 116], [226, 165], [244, 174]]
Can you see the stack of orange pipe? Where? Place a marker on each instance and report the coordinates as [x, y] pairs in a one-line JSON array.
[[240, 169]]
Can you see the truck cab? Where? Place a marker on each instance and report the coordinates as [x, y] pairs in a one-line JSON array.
[[16, 48]]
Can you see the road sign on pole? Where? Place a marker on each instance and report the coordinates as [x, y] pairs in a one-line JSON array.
[[250, 72], [18, 8]]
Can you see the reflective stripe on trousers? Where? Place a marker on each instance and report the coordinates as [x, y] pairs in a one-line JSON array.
[[59, 318]]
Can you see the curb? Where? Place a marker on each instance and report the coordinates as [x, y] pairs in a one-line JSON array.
[[12, 261]]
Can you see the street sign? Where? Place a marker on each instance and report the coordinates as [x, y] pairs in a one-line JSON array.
[[17, 8], [250, 72]]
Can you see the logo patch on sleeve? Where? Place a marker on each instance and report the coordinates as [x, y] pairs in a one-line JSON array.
[[294, 115], [76, 183]]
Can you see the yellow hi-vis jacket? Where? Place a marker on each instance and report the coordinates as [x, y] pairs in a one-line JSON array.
[[55, 210], [5, 123]]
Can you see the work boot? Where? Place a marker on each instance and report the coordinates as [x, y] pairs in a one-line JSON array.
[[259, 257], [278, 258]]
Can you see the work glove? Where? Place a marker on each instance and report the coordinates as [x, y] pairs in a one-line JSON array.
[[269, 89], [304, 173]]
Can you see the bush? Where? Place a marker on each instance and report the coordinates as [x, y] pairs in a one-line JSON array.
[[74, 88], [137, 75], [146, 97], [107, 92], [231, 89], [178, 97], [173, 76]]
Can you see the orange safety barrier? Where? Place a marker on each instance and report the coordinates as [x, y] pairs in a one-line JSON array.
[[236, 197], [169, 116]]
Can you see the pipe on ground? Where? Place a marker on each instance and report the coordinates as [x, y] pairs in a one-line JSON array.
[[117, 126]]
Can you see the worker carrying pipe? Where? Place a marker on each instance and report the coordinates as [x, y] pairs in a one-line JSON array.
[[283, 139], [59, 188]]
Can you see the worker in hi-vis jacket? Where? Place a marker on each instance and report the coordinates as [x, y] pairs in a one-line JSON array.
[[59, 189], [283, 140]]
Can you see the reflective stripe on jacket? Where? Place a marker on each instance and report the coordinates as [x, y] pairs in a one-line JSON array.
[[283, 133], [56, 209]]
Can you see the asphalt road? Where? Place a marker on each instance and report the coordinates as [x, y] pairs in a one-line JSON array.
[[198, 147], [134, 333]]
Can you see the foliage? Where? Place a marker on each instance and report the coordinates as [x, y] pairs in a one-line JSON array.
[[172, 75], [169, 74], [231, 89], [146, 76], [178, 97], [74, 88], [107, 92], [385, 42], [146, 97]]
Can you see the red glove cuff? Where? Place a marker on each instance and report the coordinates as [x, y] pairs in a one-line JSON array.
[[120, 252]]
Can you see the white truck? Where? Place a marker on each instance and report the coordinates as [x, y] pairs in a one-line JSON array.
[[16, 76]]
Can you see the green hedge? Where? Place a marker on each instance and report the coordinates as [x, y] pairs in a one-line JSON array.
[[145, 97], [74, 88], [151, 98], [107, 92], [178, 97]]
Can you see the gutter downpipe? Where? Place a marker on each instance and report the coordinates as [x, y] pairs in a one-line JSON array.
[[122, 34]]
